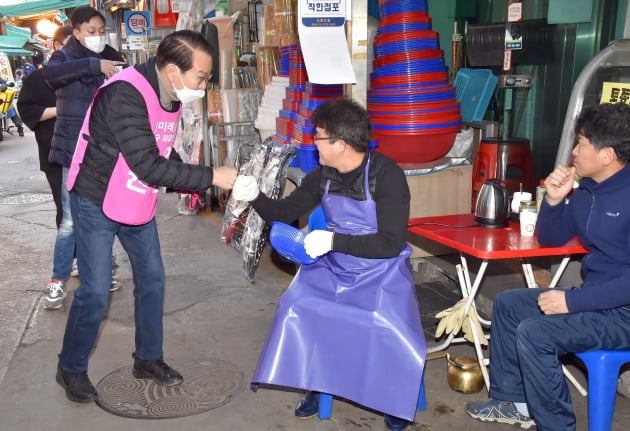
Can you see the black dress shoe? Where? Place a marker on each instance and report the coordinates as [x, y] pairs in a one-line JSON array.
[[157, 370], [308, 407], [77, 385], [393, 423]]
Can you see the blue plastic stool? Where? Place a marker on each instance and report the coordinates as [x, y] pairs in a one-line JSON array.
[[603, 370], [325, 402], [317, 219]]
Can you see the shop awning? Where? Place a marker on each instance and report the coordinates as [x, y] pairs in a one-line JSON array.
[[14, 45], [37, 46], [16, 31], [12, 52], [11, 8], [12, 42]]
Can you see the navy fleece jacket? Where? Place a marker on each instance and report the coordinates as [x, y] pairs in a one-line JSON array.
[[599, 214]]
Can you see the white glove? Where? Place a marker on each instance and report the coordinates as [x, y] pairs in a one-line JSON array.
[[318, 242], [245, 188]]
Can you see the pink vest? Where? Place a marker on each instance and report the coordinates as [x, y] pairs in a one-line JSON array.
[[127, 199]]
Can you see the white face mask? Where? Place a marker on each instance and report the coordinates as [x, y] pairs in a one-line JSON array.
[[187, 95], [95, 43]]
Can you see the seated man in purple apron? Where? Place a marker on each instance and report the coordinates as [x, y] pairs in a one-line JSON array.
[[349, 324]]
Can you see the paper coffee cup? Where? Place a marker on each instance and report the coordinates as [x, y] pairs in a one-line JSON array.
[[528, 222], [517, 197]]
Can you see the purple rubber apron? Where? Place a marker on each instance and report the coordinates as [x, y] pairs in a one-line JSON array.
[[349, 326]]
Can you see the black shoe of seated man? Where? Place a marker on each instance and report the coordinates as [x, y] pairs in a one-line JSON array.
[[77, 385], [393, 423], [20, 130], [308, 407], [157, 370]]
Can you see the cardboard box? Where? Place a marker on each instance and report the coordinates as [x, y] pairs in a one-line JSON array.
[[440, 193]]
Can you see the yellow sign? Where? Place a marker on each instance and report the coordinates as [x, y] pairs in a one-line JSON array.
[[616, 92]]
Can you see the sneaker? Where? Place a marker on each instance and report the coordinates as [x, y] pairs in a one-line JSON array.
[[498, 411], [77, 385], [157, 370], [74, 272], [116, 285], [55, 295], [308, 407], [20, 130]]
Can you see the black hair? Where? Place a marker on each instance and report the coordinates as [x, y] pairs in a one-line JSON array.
[[345, 119], [178, 47], [84, 14], [606, 125], [61, 33]]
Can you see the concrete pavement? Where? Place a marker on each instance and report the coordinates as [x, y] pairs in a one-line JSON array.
[[211, 311]]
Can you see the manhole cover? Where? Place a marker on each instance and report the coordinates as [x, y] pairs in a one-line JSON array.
[[26, 198], [207, 385]]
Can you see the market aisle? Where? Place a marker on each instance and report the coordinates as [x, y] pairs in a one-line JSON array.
[[211, 312]]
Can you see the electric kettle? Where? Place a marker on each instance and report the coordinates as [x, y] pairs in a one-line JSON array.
[[492, 206]]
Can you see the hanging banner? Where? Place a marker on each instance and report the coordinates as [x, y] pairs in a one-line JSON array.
[[5, 68], [323, 41]]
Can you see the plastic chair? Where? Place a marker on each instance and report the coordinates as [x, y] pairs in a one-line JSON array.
[[325, 402], [603, 371]]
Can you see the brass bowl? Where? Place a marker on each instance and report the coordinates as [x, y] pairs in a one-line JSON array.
[[464, 374]]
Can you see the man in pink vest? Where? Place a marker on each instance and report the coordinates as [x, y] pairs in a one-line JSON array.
[[124, 154]]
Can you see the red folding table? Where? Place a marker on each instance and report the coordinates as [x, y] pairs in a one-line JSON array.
[[460, 232]]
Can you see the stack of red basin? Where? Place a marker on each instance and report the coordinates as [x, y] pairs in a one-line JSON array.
[[413, 108]]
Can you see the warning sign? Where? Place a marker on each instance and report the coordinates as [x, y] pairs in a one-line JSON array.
[[616, 92]]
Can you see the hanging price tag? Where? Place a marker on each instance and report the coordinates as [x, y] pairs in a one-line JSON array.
[[507, 60], [514, 35], [515, 12]]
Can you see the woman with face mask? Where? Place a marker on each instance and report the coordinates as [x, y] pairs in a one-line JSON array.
[[75, 73]]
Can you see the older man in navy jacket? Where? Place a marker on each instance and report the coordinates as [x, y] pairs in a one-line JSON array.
[[532, 327]]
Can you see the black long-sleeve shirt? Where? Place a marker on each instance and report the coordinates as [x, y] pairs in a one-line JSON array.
[[388, 187]]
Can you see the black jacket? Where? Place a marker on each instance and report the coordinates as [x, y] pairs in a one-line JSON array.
[[120, 124], [35, 96], [75, 74]]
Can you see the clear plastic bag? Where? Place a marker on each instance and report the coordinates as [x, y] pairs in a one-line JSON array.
[[250, 161], [243, 228]]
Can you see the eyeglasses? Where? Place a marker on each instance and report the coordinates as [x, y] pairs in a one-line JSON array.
[[332, 138], [200, 79]]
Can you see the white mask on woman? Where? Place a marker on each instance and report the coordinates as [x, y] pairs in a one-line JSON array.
[[95, 43]]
